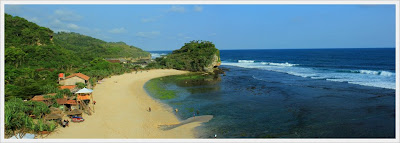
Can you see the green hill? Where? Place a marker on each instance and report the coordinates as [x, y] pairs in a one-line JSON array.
[[90, 48], [19, 31], [34, 55]]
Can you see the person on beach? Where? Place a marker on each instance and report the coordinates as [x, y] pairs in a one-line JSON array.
[[215, 136], [149, 109], [63, 124], [198, 112], [94, 102], [176, 110], [194, 115]]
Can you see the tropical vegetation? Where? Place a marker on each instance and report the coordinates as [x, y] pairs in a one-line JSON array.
[[35, 55], [193, 56]]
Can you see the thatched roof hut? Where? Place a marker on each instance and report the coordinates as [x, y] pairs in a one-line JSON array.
[[53, 116], [75, 112], [55, 110]]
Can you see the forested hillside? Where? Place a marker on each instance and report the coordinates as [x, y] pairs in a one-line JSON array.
[[89, 48], [34, 55]]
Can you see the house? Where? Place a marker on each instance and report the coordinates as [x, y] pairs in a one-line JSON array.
[[40, 98], [73, 79], [47, 101], [71, 105], [84, 99], [71, 88], [67, 104]]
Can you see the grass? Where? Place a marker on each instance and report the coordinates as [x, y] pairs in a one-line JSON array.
[[156, 88], [190, 76]]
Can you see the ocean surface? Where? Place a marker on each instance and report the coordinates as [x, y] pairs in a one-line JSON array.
[[295, 93]]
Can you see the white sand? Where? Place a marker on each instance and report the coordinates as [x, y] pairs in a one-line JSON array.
[[121, 112]]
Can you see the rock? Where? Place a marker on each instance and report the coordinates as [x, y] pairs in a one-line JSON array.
[[216, 62]]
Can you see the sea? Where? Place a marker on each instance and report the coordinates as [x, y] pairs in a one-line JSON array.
[[295, 93]]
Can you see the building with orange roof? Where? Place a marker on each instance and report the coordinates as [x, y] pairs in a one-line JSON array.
[[41, 98], [71, 88], [74, 78]]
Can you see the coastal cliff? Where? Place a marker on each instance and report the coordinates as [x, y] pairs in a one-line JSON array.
[[215, 63]]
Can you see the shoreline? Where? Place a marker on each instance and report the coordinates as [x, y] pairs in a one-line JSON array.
[[121, 111]]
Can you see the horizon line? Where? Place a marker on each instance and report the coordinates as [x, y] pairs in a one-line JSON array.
[[289, 49]]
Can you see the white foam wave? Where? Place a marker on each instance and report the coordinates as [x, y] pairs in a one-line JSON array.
[[369, 72], [279, 64], [245, 61], [382, 79], [156, 55], [382, 73]]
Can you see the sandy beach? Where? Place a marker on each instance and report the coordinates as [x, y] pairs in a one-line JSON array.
[[121, 111]]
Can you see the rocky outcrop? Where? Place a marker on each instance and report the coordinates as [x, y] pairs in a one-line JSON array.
[[216, 62]]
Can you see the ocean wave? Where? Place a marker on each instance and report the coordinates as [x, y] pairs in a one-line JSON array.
[[382, 79], [156, 55], [382, 73], [279, 64], [245, 61]]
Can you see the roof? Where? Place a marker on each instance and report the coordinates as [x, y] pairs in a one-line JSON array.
[[85, 90], [55, 110], [41, 97], [53, 116], [83, 97], [72, 102], [38, 98], [61, 101], [70, 87], [85, 77], [75, 112]]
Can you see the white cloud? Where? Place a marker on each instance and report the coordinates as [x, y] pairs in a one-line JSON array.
[[60, 20], [151, 34], [72, 26], [66, 15], [179, 9], [198, 8], [58, 26], [118, 30], [56, 23]]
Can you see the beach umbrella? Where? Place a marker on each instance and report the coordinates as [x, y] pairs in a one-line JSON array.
[[75, 112], [53, 116], [85, 90]]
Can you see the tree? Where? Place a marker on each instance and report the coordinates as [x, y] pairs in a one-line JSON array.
[[80, 85], [14, 56], [17, 120], [193, 56]]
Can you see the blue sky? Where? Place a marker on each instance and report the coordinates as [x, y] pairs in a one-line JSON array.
[[168, 27]]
